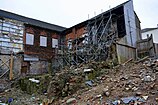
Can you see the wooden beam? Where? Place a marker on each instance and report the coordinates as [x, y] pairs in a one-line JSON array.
[[11, 68]]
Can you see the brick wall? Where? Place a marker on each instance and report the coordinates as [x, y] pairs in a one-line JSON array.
[[75, 32], [35, 49]]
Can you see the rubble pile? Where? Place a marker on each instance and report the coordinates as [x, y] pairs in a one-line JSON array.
[[94, 83], [131, 83]]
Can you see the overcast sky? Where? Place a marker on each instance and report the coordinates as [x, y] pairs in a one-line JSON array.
[[70, 12]]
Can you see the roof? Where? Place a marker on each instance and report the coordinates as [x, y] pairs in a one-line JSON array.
[[104, 13], [147, 29], [31, 21]]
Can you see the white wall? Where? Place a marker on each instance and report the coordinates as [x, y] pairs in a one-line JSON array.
[[153, 32]]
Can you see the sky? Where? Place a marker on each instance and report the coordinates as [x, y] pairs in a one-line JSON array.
[[67, 13]]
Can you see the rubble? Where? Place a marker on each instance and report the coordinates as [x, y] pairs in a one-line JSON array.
[[89, 83], [148, 79], [131, 83], [34, 80], [145, 97], [71, 100]]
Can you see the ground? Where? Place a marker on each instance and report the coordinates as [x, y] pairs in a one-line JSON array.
[[131, 83]]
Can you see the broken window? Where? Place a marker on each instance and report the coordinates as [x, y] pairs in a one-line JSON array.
[[54, 43], [29, 39], [43, 41]]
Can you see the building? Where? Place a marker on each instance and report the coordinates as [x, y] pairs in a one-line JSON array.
[[112, 34], [151, 32], [147, 32], [34, 39]]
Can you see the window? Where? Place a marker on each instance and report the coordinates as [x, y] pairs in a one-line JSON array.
[[43, 41], [70, 44], [54, 43], [29, 39]]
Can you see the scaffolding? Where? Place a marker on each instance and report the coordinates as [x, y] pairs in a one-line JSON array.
[[94, 45], [104, 37]]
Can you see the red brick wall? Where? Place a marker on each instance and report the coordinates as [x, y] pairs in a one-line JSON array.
[[37, 50], [76, 32]]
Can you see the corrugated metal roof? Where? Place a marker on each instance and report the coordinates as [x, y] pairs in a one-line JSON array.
[[147, 29], [31, 21]]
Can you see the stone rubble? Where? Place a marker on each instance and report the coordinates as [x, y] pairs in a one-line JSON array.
[[94, 83]]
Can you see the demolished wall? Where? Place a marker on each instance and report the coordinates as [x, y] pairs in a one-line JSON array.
[[39, 67]]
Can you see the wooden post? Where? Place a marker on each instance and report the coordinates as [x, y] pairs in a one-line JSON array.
[[11, 68]]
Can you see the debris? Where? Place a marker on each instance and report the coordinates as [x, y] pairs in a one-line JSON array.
[[87, 70], [10, 100], [138, 93], [143, 59], [127, 100], [127, 61], [98, 96], [152, 86], [3, 104], [71, 100], [124, 78], [140, 100], [145, 97], [134, 88], [47, 101], [127, 89], [89, 83], [117, 102], [106, 92], [120, 83], [148, 79], [33, 80]]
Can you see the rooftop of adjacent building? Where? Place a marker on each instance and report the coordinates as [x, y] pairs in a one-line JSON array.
[[27, 20], [148, 29]]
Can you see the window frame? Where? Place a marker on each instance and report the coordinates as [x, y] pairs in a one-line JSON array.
[[55, 43], [43, 43], [30, 42]]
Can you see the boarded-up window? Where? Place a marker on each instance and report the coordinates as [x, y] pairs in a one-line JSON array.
[[43, 41], [54, 43], [29, 39]]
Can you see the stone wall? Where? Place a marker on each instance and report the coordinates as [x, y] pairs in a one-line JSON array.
[[38, 67]]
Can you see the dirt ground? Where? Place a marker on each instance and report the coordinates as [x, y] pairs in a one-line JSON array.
[[126, 84]]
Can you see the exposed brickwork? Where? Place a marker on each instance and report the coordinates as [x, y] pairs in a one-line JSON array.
[[75, 33], [37, 50]]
